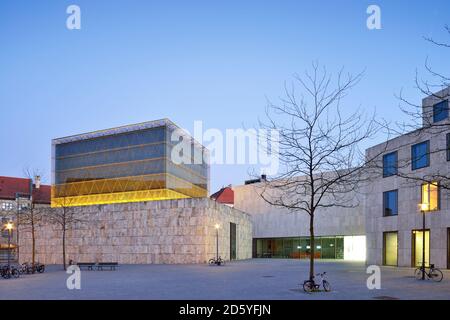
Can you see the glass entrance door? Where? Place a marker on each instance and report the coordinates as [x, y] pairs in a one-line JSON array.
[[232, 241], [390, 248], [417, 248]]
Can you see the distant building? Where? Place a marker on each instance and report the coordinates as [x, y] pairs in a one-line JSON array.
[[225, 196], [132, 163], [16, 195]]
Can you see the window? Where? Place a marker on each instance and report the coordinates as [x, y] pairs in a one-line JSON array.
[[420, 155], [418, 246], [300, 247], [440, 111], [390, 203], [448, 146], [430, 195], [390, 164], [390, 248], [4, 231], [7, 206], [23, 206]]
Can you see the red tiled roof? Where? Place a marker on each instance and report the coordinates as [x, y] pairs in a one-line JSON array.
[[43, 194], [9, 186], [224, 195]]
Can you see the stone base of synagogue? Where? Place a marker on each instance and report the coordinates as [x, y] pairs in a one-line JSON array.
[[161, 232]]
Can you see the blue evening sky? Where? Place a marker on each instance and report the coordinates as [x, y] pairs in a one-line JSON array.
[[214, 61]]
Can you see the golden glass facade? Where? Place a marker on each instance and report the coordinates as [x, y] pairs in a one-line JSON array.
[[127, 164]]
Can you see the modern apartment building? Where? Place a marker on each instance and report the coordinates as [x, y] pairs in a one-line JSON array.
[[385, 228], [412, 180], [127, 164]]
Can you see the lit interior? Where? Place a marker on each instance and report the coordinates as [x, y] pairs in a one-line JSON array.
[[418, 247], [390, 248], [430, 196], [355, 248]]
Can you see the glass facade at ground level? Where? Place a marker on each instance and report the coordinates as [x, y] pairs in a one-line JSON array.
[[299, 248], [127, 164]]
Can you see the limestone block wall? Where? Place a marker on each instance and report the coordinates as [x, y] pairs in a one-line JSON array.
[[170, 231]]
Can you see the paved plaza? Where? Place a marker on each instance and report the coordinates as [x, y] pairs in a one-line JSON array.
[[250, 279]]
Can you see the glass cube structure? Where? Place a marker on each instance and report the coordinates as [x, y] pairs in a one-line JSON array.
[[128, 164]]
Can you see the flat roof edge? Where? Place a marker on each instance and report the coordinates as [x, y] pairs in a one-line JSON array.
[[115, 130]]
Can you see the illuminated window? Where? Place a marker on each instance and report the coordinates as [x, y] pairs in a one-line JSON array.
[[390, 164], [355, 248], [418, 246], [390, 245], [430, 196], [300, 248], [4, 232], [23, 206], [420, 155], [7, 206]]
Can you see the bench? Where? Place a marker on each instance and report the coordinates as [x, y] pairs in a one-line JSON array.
[[111, 265], [88, 265]]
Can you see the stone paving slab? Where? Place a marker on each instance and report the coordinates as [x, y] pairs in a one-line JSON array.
[[267, 279]]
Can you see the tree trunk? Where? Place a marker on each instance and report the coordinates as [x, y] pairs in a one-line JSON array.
[[17, 238], [312, 244], [64, 247], [33, 244]]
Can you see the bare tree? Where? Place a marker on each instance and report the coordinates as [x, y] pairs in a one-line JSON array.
[[319, 146], [30, 215], [30, 219], [431, 86], [66, 217], [436, 86]]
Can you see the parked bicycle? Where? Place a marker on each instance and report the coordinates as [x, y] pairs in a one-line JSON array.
[[39, 267], [29, 268], [23, 268], [219, 261], [313, 285], [434, 273], [8, 272]]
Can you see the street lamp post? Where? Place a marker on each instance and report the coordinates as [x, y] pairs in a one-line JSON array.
[[423, 209], [9, 227], [217, 242], [17, 223]]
